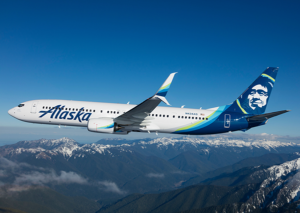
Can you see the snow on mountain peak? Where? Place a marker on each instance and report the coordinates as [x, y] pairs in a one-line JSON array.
[[278, 171], [225, 142], [69, 147], [281, 186], [48, 142]]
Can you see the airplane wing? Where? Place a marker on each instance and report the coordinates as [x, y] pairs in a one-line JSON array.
[[266, 115], [139, 113]]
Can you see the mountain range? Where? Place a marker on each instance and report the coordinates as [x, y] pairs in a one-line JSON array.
[[252, 189], [116, 170]]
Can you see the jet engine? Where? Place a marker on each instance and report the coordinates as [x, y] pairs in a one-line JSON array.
[[104, 125]]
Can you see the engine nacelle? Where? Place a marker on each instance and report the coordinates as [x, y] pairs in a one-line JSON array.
[[104, 125]]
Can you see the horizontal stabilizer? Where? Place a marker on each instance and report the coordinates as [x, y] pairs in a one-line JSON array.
[[266, 115]]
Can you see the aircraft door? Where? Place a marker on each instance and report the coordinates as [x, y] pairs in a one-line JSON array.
[[227, 120], [34, 107]]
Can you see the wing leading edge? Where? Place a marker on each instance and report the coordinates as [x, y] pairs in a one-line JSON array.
[[139, 113]]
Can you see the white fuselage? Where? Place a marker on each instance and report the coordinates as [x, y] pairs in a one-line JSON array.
[[162, 119], [243, 114]]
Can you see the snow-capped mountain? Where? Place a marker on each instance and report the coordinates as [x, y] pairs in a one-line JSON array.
[[192, 155], [152, 165], [280, 187], [64, 146], [170, 146], [273, 189]]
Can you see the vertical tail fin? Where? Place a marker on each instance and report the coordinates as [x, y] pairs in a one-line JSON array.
[[254, 99]]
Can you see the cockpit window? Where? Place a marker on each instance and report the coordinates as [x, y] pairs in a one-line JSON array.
[[21, 105]]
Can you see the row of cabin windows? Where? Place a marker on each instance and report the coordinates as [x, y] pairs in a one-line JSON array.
[[112, 112], [117, 112], [183, 117], [160, 115], [69, 109]]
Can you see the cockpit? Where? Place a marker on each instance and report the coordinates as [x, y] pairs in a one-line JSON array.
[[21, 105]]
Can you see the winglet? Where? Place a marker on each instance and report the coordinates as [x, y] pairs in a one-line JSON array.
[[165, 87], [162, 99]]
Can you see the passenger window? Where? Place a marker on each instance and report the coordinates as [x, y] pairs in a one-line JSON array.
[[185, 117], [167, 116], [117, 112], [163, 115], [107, 111], [156, 115], [100, 111], [160, 115], [206, 118], [192, 117]]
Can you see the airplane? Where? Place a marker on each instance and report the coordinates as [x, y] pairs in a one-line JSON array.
[[246, 112]]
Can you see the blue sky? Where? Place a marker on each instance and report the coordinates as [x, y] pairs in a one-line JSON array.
[[120, 51]]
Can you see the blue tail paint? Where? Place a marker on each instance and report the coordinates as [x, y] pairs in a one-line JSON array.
[[255, 98]]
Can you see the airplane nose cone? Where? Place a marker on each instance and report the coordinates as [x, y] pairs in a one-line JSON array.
[[11, 112]]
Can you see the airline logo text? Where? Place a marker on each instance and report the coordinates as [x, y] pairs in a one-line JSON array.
[[57, 113]]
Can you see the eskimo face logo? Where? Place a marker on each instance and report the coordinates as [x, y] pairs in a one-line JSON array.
[[258, 96]]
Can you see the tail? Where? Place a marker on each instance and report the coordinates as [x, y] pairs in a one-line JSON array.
[[256, 97]]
